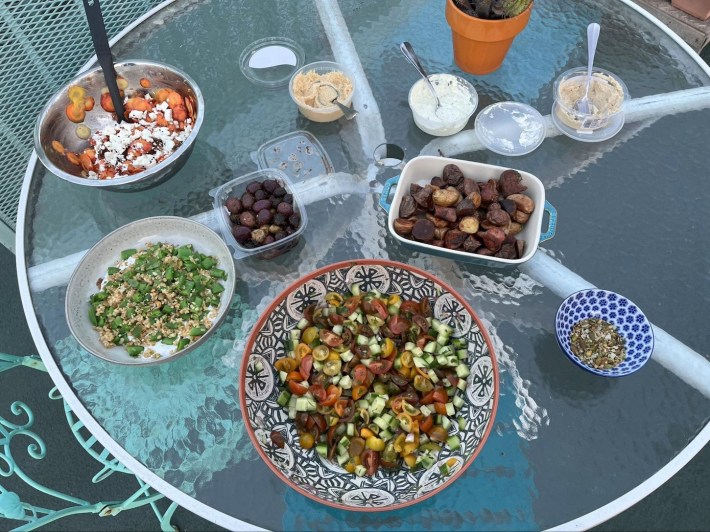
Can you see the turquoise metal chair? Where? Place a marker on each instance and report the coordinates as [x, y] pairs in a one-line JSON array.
[[13, 506]]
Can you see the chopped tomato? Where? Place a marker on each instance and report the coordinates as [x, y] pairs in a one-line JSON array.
[[330, 339], [294, 376], [319, 393], [426, 424], [409, 306], [378, 367], [344, 408], [352, 303], [297, 388], [438, 433], [423, 340], [440, 408], [359, 391], [286, 364], [333, 393], [440, 395], [306, 366], [427, 399], [371, 461], [335, 319], [398, 324], [379, 308], [360, 374]]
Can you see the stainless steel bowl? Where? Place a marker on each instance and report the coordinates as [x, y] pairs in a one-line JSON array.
[[53, 124]]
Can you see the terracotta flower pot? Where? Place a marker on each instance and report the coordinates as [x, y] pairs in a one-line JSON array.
[[480, 45]]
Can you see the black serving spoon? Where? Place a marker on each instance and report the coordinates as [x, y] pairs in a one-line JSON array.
[[103, 53]]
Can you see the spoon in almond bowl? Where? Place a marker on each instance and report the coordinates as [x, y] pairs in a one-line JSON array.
[[331, 95]]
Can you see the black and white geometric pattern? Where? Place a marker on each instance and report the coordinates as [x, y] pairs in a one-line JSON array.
[[304, 469]]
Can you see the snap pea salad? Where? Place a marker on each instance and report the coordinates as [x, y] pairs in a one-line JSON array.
[[157, 300], [373, 381]]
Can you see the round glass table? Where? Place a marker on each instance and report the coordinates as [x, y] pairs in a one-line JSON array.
[[568, 448]]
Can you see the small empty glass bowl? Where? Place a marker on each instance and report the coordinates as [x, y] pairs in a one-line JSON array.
[[314, 102], [458, 98], [608, 96]]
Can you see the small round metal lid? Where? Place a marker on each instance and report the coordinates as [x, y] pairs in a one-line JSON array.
[[510, 128], [271, 62]]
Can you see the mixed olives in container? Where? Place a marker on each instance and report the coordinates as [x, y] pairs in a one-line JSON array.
[[260, 214]]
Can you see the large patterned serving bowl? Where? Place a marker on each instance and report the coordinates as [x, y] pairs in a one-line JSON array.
[[303, 469]]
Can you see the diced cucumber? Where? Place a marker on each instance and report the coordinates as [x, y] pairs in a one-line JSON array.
[[355, 289], [344, 443], [393, 310], [322, 450], [378, 405], [386, 417], [430, 360], [360, 470], [417, 352], [283, 375], [453, 442], [430, 347], [376, 293], [462, 353], [452, 360], [442, 339], [338, 329], [292, 412], [433, 376], [419, 362], [318, 365], [445, 422], [296, 335], [363, 403], [447, 350], [462, 384], [375, 349], [375, 329], [427, 461], [435, 324], [284, 398], [304, 404], [343, 458], [409, 346], [380, 422], [346, 356], [445, 383], [302, 324], [394, 424], [350, 431], [443, 469], [441, 360], [292, 401], [462, 371], [398, 363], [362, 339], [462, 423], [450, 410], [372, 341], [458, 402], [346, 382], [366, 361], [385, 435], [336, 378], [425, 410], [354, 316]]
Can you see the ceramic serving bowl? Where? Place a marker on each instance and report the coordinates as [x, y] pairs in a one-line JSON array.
[[303, 469], [53, 124], [94, 265], [617, 310], [421, 169]]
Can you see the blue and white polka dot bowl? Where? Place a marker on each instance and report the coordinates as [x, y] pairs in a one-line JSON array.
[[623, 314]]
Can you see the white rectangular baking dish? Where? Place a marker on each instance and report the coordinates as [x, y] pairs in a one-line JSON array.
[[421, 169]]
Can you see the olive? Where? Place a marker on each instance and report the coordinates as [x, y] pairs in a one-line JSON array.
[[285, 208], [269, 185], [269, 239], [241, 233], [264, 217], [280, 192], [288, 198], [280, 235], [275, 201], [247, 200], [253, 187], [247, 219], [279, 219], [259, 195], [260, 205], [233, 205]]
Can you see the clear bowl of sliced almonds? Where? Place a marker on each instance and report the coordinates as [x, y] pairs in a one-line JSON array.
[[604, 332], [78, 138]]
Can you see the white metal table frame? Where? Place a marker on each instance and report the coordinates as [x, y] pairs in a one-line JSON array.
[[694, 370]]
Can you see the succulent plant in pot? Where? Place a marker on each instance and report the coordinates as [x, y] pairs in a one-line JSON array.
[[482, 31]]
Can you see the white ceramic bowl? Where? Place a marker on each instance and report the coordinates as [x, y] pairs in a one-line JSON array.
[[167, 229], [421, 169]]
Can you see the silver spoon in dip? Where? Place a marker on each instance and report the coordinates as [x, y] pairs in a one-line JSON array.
[[348, 112], [585, 106], [408, 51]]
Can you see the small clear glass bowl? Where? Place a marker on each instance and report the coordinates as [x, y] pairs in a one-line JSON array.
[[604, 121], [322, 114], [443, 128]]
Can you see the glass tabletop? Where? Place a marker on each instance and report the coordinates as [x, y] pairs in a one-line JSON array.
[[632, 211]]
